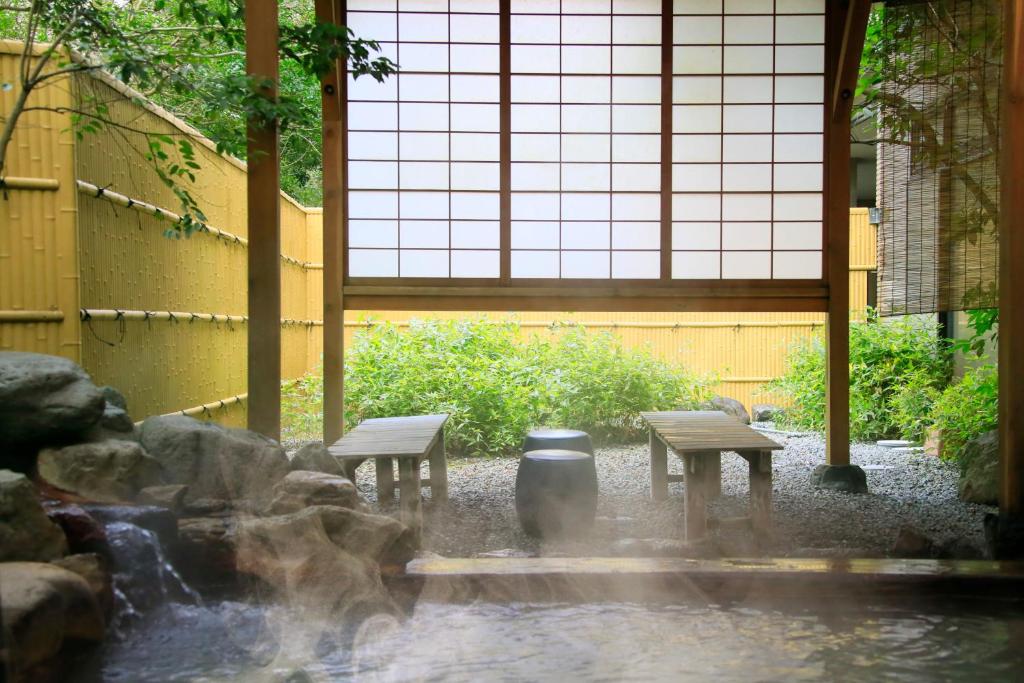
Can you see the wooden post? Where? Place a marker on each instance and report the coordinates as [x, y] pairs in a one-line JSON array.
[[385, 479], [333, 91], [659, 467], [695, 496], [439, 471], [410, 491], [264, 224]]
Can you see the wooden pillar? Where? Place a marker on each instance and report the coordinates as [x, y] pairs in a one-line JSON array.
[[333, 89], [264, 224]]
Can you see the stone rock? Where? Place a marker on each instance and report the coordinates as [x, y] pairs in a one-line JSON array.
[[765, 412], [160, 521], [845, 478], [43, 607], [26, 533], [114, 397], [107, 471], [313, 457], [116, 419], [93, 568], [84, 533], [979, 475], [729, 406], [170, 496], [299, 490], [911, 543], [44, 399], [213, 461], [205, 552]]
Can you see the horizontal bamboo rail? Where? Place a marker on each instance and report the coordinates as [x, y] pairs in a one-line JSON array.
[[15, 183], [207, 408], [31, 316], [87, 314], [625, 324]]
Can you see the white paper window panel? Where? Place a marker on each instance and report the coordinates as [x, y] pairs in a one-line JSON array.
[[423, 234], [796, 265], [750, 30], [586, 59], [697, 6], [636, 207], [746, 177], [483, 264], [423, 175], [417, 27], [372, 116], [797, 207], [636, 177], [799, 118], [747, 59], [423, 263], [422, 146], [585, 264], [483, 118], [534, 207], [748, 6], [423, 5], [586, 118], [475, 205], [366, 88], [636, 148], [535, 235], [700, 236], [806, 29], [636, 89], [586, 6], [636, 6], [585, 89], [636, 265], [474, 88], [799, 89], [414, 57], [746, 265], [696, 30], [373, 25], [536, 6], [469, 28], [636, 30], [696, 178], [695, 265], [636, 118], [423, 204], [799, 148], [475, 146], [481, 6], [586, 235], [746, 236], [476, 58], [696, 118], [697, 60], [747, 118], [475, 176], [535, 59], [797, 235], [585, 207], [746, 207], [586, 177], [741, 89], [422, 87], [475, 234], [636, 59], [582, 148], [799, 59], [372, 175], [636, 235], [798, 177], [800, 6], [535, 29], [535, 147], [373, 262], [372, 145], [417, 116], [543, 89], [369, 234], [373, 204], [378, 5], [746, 148], [696, 148], [535, 177], [587, 30], [696, 89], [696, 207], [534, 264], [535, 118]]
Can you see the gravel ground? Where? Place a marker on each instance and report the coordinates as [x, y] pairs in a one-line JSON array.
[[906, 488]]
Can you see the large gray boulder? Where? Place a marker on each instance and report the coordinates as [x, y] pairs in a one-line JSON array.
[[301, 489], [313, 457], [729, 406], [765, 412], [979, 474], [111, 471], [26, 533], [45, 399], [216, 463]]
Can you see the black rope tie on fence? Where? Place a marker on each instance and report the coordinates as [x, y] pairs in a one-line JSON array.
[[86, 317], [171, 317], [146, 316]]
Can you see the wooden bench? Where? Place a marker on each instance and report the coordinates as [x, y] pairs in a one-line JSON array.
[[698, 438], [408, 440]]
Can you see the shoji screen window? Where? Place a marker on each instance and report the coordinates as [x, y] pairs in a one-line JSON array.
[[585, 138], [747, 144], [423, 147]]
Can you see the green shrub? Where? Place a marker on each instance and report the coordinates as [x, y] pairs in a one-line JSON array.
[[967, 408], [495, 386], [886, 357]]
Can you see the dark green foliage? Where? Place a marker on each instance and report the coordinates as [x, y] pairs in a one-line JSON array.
[[967, 409]]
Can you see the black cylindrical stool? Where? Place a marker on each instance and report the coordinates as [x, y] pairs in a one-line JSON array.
[[565, 439], [556, 492]]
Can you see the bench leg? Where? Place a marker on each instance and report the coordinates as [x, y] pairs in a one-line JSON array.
[[385, 480], [713, 465], [411, 510], [695, 496], [659, 468], [760, 465], [438, 472]]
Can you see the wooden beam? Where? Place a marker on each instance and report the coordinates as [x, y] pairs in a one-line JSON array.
[[844, 42], [1011, 275], [264, 222], [333, 91]]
